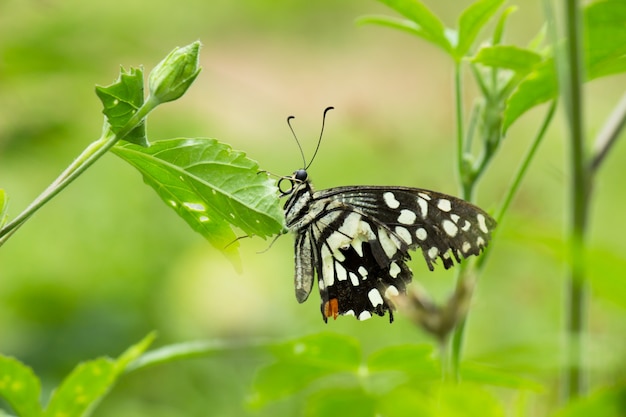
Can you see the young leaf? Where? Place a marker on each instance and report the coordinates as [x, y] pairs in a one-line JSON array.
[[19, 387], [428, 25], [498, 32], [605, 46], [510, 57], [482, 374], [89, 382], [134, 352], [606, 402], [414, 360], [538, 87], [4, 206], [121, 100], [302, 361], [210, 186], [82, 389], [341, 401], [472, 21]]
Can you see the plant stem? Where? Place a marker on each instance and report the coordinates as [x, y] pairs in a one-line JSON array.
[[91, 154], [94, 151], [571, 70], [458, 92], [609, 134]]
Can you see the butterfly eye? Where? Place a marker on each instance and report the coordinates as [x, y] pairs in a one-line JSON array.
[[301, 175], [285, 186]]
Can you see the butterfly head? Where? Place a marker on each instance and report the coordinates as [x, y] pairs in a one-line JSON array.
[[287, 185]]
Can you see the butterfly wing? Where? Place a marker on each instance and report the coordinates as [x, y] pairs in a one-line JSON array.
[[358, 243], [442, 226]]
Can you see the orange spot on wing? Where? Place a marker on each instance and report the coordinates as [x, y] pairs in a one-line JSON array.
[[331, 308]]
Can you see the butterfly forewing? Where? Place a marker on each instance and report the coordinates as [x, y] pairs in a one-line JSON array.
[[356, 240]]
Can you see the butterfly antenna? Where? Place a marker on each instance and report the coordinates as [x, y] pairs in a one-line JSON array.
[[296, 138], [319, 141]]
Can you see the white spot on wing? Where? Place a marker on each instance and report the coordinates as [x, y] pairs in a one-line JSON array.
[[363, 272], [394, 270], [466, 247], [341, 272], [327, 267], [375, 297], [365, 315], [444, 205], [349, 313], [421, 233], [387, 243], [425, 196], [480, 241], [353, 279], [433, 252], [407, 217], [391, 291], [404, 234], [454, 218], [482, 225], [423, 206], [450, 228], [390, 200], [466, 226]]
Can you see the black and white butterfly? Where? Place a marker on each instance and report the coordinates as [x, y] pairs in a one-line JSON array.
[[356, 240]]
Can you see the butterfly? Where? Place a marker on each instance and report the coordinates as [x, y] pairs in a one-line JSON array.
[[356, 239]]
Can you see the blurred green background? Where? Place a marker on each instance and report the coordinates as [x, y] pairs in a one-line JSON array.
[[106, 262]]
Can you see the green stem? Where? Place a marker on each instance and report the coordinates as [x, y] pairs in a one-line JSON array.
[[517, 179], [458, 335], [572, 77], [91, 154], [458, 92], [530, 154]]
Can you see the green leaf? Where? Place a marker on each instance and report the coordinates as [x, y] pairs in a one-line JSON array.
[[472, 21], [606, 266], [406, 400], [82, 389], [189, 350], [90, 381], [210, 186], [509, 57], [482, 374], [538, 87], [4, 206], [415, 360], [302, 361], [605, 42], [466, 400], [498, 32], [20, 387], [425, 23], [134, 352], [325, 350], [121, 100], [343, 402], [605, 402]]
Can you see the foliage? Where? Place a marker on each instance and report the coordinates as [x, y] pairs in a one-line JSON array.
[[78, 394], [217, 191]]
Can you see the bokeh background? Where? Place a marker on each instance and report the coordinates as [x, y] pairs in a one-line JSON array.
[[106, 262]]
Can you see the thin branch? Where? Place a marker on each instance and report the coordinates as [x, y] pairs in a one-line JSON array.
[[607, 137]]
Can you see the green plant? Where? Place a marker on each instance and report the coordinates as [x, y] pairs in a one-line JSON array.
[[208, 185]]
